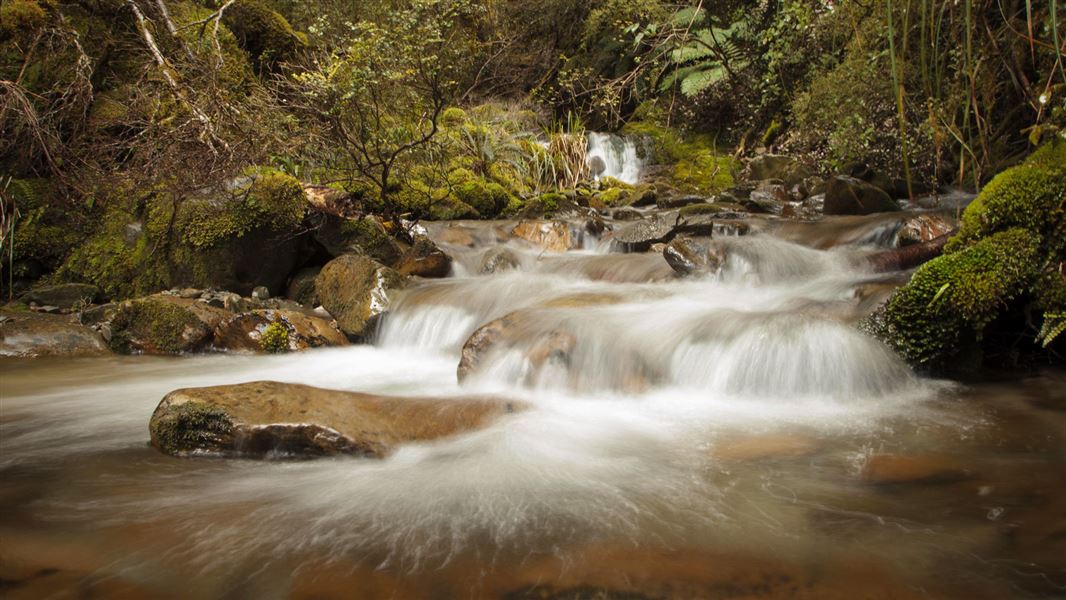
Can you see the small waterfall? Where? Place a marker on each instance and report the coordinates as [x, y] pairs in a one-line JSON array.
[[618, 155]]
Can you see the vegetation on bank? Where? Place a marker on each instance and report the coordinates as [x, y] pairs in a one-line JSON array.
[[147, 144]]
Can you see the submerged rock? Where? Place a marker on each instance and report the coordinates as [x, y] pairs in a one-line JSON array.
[[29, 335], [356, 289], [553, 236], [850, 196], [498, 259], [245, 332], [266, 418], [688, 257], [884, 469]]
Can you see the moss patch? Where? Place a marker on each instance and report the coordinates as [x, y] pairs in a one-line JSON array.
[[190, 427], [274, 339], [153, 325]]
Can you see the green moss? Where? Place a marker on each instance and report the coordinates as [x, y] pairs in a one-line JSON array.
[[21, 19], [273, 199], [701, 209], [189, 427], [264, 33], [698, 166], [486, 197], [613, 196], [453, 117], [1031, 195], [275, 338], [611, 182], [159, 323], [957, 295]]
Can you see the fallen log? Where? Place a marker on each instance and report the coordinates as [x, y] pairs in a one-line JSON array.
[[908, 257]]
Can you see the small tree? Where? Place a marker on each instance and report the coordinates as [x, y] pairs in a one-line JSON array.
[[379, 97]]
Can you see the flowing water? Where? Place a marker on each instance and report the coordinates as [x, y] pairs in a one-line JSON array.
[[620, 156], [731, 436]]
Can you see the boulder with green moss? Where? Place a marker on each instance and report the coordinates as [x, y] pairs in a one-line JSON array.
[[1000, 273], [238, 238], [356, 290], [263, 32], [366, 235], [163, 324]]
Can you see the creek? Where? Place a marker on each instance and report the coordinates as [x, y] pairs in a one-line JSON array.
[[725, 436]]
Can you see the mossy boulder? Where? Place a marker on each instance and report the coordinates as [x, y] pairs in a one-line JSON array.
[[263, 32], [1006, 262], [356, 290], [163, 324], [238, 238], [691, 164], [45, 233], [488, 198]]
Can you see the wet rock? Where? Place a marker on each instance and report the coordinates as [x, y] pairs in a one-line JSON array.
[[261, 293], [497, 260], [626, 214], [189, 293], [788, 169], [698, 225], [763, 203], [596, 166], [163, 324], [244, 332], [680, 201], [456, 235], [265, 418], [65, 295], [850, 196], [639, 236], [922, 228], [882, 469], [552, 236], [424, 259], [714, 208], [301, 287], [481, 341], [355, 290], [595, 225], [29, 335], [688, 257]]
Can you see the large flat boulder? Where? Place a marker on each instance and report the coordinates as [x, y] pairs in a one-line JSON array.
[[267, 418]]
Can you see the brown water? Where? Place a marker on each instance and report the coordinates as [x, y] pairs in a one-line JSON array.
[[726, 437]]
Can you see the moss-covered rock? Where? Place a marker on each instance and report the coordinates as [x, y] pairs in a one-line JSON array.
[[263, 32], [220, 240], [488, 198], [356, 290], [22, 19], [274, 338], [366, 235], [1007, 260], [158, 325]]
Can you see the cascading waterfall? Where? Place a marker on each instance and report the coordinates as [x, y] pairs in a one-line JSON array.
[[619, 156]]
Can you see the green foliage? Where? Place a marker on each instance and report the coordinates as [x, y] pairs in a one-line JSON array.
[[275, 338], [161, 323], [453, 117]]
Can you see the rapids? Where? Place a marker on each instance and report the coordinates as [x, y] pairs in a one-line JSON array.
[[705, 437]]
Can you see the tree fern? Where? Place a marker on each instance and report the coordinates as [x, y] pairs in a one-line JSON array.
[[703, 55]]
